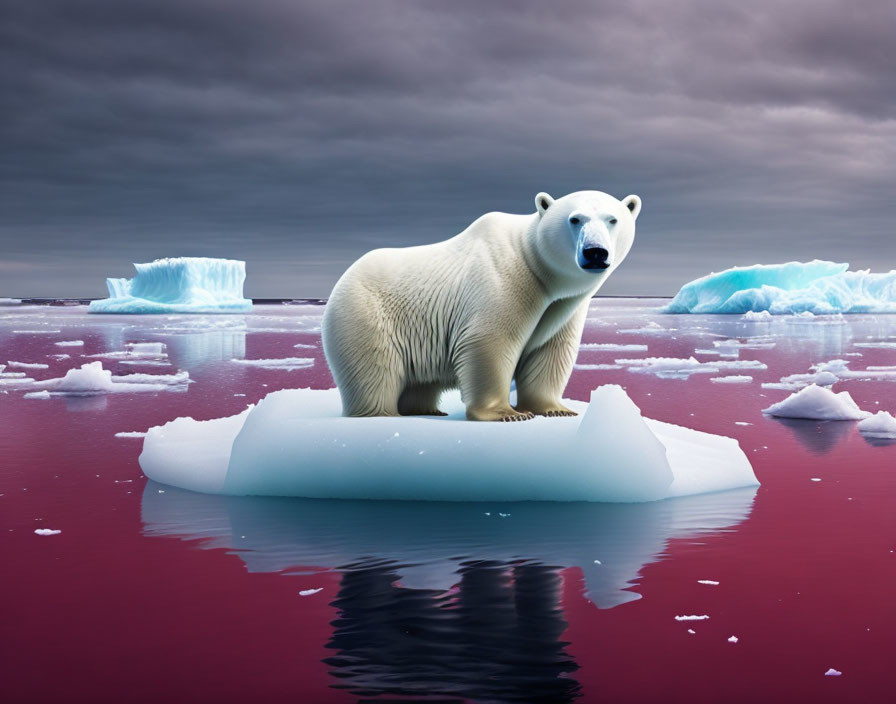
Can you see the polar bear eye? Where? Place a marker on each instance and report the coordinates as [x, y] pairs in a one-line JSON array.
[[612, 221]]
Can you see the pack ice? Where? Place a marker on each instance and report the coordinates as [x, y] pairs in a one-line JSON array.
[[296, 443], [179, 285], [818, 287]]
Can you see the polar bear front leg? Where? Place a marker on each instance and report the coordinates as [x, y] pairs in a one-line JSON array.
[[484, 375], [542, 373]]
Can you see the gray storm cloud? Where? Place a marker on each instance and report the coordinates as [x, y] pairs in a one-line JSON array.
[[297, 136]]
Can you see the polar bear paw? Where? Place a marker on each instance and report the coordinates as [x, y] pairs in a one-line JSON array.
[[506, 415]]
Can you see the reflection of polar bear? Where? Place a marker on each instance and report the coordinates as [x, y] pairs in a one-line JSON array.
[[505, 299]]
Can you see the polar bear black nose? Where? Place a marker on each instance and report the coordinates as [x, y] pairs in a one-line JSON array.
[[595, 258]]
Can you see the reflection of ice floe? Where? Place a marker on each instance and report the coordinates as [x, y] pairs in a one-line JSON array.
[[296, 443], [428, 541], [178, 285], [817, 436]]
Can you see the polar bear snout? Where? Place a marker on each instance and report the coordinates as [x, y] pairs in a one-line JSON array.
[[594, 258]]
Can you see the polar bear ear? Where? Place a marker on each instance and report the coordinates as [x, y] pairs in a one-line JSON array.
[[543, 201], [633, 203]]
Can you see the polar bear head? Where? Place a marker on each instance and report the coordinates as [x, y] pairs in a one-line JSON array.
[[585, 234]]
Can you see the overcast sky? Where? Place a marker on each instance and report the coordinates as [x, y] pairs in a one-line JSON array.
[[299, 134]]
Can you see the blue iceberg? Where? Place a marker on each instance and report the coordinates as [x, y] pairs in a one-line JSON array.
[[819, 287], [180, 285]]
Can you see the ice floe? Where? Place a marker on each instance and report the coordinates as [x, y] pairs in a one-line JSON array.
[[818, 287], [91, 378], [681, 368], [285, 364], [27, 365], [47, 531], [610, 347], [69, 343], [179, 285], [733, 379], [817, 403], [10, 301], [880, 425], [296, 443]]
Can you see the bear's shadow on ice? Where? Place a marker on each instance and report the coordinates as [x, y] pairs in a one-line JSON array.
[[452, 599]]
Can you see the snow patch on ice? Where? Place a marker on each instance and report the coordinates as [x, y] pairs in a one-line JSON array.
[[296, 443], [179, 285]]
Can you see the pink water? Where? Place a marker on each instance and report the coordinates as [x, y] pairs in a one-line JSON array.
[[152, 594]]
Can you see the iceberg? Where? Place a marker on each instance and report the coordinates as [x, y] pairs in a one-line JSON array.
[[180, 285], [297, 443], [816, 287]]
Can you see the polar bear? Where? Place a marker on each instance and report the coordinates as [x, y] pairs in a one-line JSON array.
[[504, 300]]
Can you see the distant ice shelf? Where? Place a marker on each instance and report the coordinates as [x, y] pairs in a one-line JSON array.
[[296, 443], [179, 285], [818, 287]]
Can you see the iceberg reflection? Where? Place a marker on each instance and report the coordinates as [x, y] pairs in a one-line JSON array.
[[428, 542]]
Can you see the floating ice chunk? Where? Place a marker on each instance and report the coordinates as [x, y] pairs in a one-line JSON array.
[[179, 285], [142, 351], [880, 345], [733, 639], [36, 332], [47, 531], [38, 395], [741, 422], [131, 434], [672, 367], [880, 425], [309, 592], [596, 367], [832, 673], [69, 343], [296, 443], [761, 316], [756, 343], [817, 403], [733, 379], [828, 373], [303, 346], [651, 328], [817, 287], [691, 631], [710, 582], [10, 301], [286, 363], [702, 617], [91, 378], [27, 365], [610, 347]]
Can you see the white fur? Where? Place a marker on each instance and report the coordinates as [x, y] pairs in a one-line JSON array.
[[505, 299]]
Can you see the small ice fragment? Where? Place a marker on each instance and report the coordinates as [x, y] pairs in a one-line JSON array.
[[816, 479], [131, 434], [733, 639], [691, 631], [707, 581], [611, 347], [880, 425], [286, 363], [598, 562], [734, 379], [69, 343], [309, 592], [741, 422], [832, 673], [27, 365], [503, 515], [692, 618], [47, 531]]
